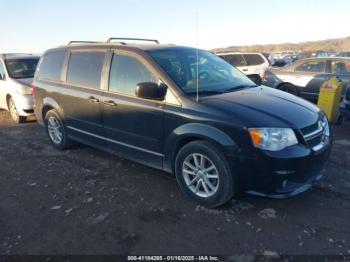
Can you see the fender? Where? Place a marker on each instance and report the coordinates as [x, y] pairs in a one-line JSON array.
[[194, 131], [48, 101]]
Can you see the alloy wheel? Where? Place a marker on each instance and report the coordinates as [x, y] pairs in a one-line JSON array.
[[201, 175], [55, 130]]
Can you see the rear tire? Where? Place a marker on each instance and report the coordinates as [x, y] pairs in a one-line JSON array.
[[204, 175], [256, 79], [14, 112], [289, 88], [56, 131]]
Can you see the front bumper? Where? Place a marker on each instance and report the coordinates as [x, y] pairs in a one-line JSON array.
[[24, 104], [283, 174]]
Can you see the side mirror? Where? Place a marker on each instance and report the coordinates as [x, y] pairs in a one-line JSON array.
[[150, 90], [2, 76]]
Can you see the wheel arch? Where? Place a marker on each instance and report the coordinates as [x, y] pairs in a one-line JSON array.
[[195, 131], [49, 104], [279, 87]]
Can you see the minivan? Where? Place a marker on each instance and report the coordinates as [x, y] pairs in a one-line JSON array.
[[185, 111], [251, 64], [16, 75]]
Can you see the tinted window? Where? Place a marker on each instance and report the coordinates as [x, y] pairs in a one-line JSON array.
[[85, 68], [313, 67], [235, 60], [341, 67], [126, 73], [253, 59], [21, 68], [51, 66]]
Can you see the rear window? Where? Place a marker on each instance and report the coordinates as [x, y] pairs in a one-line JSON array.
[[21, 68], [51, 66], [254, 59], [85, 68], [234, 60]]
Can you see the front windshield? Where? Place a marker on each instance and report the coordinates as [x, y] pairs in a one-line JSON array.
[[215, 75], [21, 68]]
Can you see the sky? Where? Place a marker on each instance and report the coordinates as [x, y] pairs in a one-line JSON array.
[[37, 25]]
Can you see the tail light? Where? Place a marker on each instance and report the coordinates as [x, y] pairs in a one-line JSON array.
[[33, 87], [264, 77]]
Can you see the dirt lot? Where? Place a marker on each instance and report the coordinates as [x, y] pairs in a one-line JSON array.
[[84, 201]]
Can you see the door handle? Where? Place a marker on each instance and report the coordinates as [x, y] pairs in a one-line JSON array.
[[245, 70], [93, 99], [110, 103]]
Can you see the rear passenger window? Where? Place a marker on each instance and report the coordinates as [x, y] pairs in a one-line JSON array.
[[126, 73], [85, 68], [235, 60], [254, 59], [51, 66]]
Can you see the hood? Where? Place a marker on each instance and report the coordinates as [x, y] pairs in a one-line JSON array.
[[265, 107], [25, 81], [24, 85]]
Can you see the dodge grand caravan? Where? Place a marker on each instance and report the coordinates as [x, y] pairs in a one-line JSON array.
[[184, 111]]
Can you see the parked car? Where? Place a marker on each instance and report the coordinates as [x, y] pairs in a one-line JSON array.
[[251, 64], [344, 54], [313, 54], [344, 108], [305, 77], [16, 75], [279, 59], [218, 132]]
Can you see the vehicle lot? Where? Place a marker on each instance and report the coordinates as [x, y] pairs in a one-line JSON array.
[[84, 201]]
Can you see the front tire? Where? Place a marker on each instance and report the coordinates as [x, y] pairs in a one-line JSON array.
[[56, 130], [204, 174], [14, 112]]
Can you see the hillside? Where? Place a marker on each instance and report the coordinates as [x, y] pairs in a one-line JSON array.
[[338, 44]]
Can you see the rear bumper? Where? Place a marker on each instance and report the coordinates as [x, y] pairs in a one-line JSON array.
[[285, 175], [344, 109]]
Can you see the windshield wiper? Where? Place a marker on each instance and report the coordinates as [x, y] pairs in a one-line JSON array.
[[238, 88], [206, 92]]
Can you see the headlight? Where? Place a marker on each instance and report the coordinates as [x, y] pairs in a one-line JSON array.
[[325, 126], [273, 139]]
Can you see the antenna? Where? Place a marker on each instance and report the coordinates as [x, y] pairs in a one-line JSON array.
[[197, 56]]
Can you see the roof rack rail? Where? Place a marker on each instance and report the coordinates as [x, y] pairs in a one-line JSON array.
[[83, 42], [131, 39]]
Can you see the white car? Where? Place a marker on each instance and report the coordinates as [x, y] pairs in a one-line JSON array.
[[251, 64], [16, 75]]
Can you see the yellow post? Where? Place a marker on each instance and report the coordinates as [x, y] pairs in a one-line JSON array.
[[329, 98]]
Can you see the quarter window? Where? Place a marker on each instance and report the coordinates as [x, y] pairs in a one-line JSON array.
[[51, 66], [126, 73], [234, 60], [312, 67], [85, 68], [340, 67]]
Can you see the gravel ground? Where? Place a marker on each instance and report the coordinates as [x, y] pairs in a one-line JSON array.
[[84, 201]]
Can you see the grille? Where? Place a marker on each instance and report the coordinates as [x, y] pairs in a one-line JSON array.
[[313, 135]]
